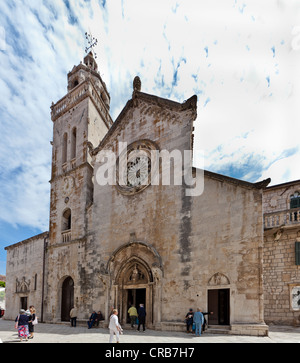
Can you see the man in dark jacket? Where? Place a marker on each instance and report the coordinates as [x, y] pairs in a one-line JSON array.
[[142, 316], [92, 319], [189, 320]]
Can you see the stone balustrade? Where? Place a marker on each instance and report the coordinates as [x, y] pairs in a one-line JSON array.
[[286, 217], [81, 91], [66, 236]]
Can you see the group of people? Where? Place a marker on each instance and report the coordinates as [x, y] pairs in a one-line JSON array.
[[25, 322], [195, 321], [137, 316], [94, 319]]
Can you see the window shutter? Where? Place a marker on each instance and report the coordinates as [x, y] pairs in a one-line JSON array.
[[297, 253]]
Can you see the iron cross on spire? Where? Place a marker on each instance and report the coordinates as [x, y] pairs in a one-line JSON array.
[[92, 42]]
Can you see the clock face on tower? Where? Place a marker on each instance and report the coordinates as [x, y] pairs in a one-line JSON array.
[[135, 166]]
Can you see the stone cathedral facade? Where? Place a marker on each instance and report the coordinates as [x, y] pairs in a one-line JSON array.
[[141, 242]]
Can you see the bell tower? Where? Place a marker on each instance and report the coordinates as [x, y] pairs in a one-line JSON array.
[[80, 118]]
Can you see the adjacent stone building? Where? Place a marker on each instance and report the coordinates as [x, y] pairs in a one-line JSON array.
[[25, 274], [282, 253], [138, 239]]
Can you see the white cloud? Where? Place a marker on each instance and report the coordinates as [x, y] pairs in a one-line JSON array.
[[224, 51], [283, 170], [28, 72]]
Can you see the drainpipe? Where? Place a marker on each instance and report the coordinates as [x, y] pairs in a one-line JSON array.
[[43, 280]]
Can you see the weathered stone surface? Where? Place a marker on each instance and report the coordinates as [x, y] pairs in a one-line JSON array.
[[281, 274], [158, 245], [24, 277]]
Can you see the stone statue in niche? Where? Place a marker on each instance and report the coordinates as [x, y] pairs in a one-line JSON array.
[[218, 279], [136, 276]]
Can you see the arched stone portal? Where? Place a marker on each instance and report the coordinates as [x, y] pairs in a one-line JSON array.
[[219, 299], [135, 286], [67, 298], [135, 271]]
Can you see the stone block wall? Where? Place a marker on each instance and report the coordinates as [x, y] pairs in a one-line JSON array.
[[281, 273], [24, 273], [281, 276]]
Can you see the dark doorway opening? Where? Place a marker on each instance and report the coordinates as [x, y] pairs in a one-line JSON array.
[[24, 303], [218, 303], [136, 297], [67, 299]]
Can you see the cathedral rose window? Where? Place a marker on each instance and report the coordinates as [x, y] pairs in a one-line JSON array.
[[135, 167], [138, 170]]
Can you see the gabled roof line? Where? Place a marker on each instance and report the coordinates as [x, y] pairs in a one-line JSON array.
[[30, 239], [191, 103]]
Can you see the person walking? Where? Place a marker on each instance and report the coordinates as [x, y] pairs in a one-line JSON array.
[[133, 315], [22, 322], [141, 317], [73, 316], [32, 321], [198, 320], [114, 327]]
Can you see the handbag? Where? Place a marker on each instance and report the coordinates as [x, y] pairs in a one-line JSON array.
[[35, 321]]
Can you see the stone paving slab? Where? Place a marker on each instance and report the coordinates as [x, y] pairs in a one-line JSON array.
[[60, 333]]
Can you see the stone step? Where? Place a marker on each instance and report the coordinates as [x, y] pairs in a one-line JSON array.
[[218, 329]]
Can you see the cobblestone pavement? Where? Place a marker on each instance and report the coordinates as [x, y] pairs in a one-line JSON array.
[[61, 333]]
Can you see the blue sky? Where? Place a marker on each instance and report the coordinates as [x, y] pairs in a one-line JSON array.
[[240, 57]]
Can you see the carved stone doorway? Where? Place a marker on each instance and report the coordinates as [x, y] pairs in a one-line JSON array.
[[135, 271], [135, 286], [219, 299]]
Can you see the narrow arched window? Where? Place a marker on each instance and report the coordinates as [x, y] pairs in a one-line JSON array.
[[65, 148], [66, 220], [73, 143]]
